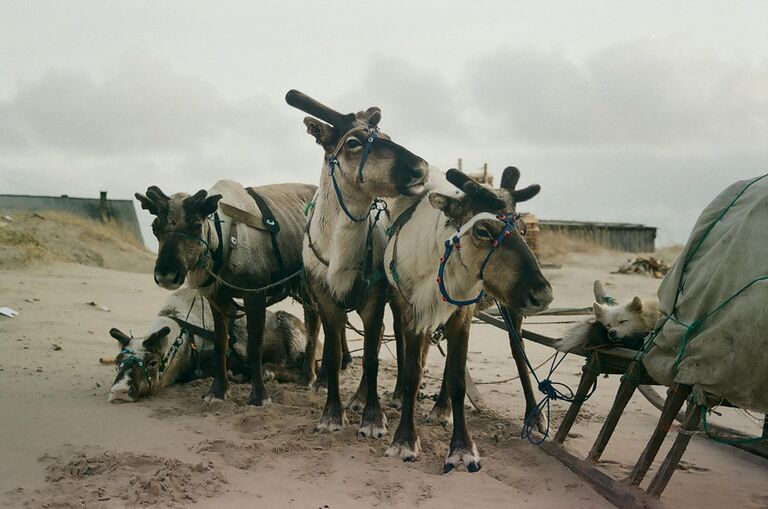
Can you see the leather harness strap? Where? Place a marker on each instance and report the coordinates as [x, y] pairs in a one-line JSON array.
[[218, 255], [270, 222]]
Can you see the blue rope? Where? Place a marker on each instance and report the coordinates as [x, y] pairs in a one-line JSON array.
[[552, 390]]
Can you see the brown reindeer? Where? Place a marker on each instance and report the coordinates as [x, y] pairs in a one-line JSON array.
[[235, 242], [345, 239], [455, 246]]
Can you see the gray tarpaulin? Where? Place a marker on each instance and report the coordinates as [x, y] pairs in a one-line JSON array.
[[726, 355]]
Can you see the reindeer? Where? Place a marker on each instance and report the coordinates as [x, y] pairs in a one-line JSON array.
[[345, 239], [235, 242], [447, 251], [178, 348]]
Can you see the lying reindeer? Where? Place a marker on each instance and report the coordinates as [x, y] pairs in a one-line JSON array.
[[178, 347], [447, 250], [235, 242]]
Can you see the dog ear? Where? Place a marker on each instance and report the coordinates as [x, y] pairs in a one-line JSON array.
[[636, 305], [120, 336], [324, 134], [152, 343], [597, 309]]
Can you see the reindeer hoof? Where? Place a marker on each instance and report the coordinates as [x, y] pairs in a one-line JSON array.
[[407, 452], [217, 394], [395, 400], [213, 399], [259, 398], [346, 360], [469, 457], [357, 403], [331, 422], [267, 375], [373, 424], [440, 415]]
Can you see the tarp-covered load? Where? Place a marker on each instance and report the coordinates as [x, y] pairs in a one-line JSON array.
[[717, 295]]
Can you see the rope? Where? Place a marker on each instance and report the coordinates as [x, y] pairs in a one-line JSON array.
[[266, 288], [552, 390], [515, 377]]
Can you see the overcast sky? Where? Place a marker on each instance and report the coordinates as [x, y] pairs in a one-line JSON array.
[[638, 112]]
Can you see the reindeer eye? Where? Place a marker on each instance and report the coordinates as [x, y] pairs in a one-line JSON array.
[[482, 233], [353, 143], [622, 322]]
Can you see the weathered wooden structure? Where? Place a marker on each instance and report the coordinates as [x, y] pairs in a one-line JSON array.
[[121, 212], [629, 237]]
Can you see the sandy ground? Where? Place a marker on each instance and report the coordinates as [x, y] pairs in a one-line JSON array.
[[63, 445]]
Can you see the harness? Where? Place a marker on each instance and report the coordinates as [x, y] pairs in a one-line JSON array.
[[217, 255], [394, 231], [333, 163], [510, 221], [131, 359]]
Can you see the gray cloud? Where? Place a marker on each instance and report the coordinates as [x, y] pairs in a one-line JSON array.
[[639, 93]]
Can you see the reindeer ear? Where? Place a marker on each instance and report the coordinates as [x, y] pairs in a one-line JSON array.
[[449, 205], [636, 305], [153, 342], [120, 336], [374, 116], [509, 178], [597, 309], [526, 193], [323, 133]]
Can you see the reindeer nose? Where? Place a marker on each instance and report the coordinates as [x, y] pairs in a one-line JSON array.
[[170, 280], [418, 172], [539, 299], [613, 334], [119, 394]]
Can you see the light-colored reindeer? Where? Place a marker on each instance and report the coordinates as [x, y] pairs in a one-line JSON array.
[[345, 239], [226, 244], [452, 247]]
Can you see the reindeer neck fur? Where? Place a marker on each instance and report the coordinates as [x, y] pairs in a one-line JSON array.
[[340, 240], [420, 244]]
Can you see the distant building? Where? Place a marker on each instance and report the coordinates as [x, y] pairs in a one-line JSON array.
[[629, 237], [122, 212]]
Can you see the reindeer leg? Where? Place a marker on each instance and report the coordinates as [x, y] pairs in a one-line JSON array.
[[346, 358], [374, 422], [312, 323], [525, 377], [463, 449], [441, 411], [333, 417], [220, 386], [395, 399], [256, 310], [405, 442]]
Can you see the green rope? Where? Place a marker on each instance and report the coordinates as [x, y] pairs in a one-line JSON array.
[[728, 441], [308, 206], [693, 328]]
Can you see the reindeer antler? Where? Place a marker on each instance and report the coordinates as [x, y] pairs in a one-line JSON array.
[[510, 178], [479, 195], [308, 105]]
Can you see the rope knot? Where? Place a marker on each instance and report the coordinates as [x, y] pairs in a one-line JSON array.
[[545, 386]]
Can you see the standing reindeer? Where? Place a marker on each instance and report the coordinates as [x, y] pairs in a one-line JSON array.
[[447, 251], [345, 239], [234, 242]]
